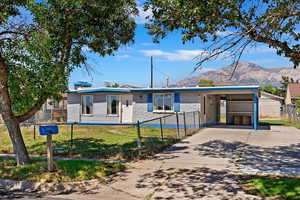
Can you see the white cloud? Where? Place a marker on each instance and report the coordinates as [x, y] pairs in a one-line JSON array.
[[141, 18], [262, 49], [223, 33], [179, 55], [85, 48], [122, 56]]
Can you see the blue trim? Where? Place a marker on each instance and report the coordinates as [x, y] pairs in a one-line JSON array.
[[83, 83], [208, 124], [255, 111], [177, 102], [143, 125], [149, 103], [169, 125], [103, 90], [100, 124], [125, 90]]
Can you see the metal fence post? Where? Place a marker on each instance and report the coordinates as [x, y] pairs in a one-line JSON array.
[[184, 123], [194, 116], [139, 143], [178, 131], [34, 132], [72, 130], [161, 129], [199, 118]]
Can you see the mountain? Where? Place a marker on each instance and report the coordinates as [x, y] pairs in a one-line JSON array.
[[246, 74]]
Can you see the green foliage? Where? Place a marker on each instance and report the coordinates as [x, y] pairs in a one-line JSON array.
[[112, 85], [43, 50], [272, 90], [66, 170], [206, 83], [280, 123], [285, 188], [10, 8], [231, 25]]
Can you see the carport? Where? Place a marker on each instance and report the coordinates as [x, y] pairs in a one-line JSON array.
[[233, 106]]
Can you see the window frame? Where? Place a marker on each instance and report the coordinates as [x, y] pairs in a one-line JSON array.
[[118, 110], [92, 110], [163, 105]]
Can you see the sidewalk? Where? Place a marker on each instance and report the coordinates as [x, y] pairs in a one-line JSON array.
[[203, 166]]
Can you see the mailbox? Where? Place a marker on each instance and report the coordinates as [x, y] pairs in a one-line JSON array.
[[48, 130]]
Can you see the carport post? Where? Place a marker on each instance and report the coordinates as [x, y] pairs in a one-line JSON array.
[[255, 111], [199, 118]]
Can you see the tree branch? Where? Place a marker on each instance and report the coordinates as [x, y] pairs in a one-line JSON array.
[[35, 108]]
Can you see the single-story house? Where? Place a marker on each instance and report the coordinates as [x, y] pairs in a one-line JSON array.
[[127, 105], [270, 106], [292, 93]]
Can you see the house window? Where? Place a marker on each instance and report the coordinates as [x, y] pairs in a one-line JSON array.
[[163, 102], [87, 105], [113, 105]]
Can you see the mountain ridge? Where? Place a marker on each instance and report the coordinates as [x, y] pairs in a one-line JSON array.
[[247, 73]]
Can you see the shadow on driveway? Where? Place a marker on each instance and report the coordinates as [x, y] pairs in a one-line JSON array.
[[255, 159], [194, 183]]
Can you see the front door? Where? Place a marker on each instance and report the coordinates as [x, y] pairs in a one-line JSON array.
[[126, 112]]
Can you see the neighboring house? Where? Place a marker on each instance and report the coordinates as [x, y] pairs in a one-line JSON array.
[[292, 93], [122, 105], [53, 110], [270, 105]]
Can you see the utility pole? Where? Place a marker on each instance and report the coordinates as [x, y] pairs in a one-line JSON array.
[[151, 83], [167, 79]]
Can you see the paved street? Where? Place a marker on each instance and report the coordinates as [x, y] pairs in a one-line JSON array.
[[204, 166]]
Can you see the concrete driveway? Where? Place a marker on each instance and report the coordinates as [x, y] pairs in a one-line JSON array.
[[204, 166]]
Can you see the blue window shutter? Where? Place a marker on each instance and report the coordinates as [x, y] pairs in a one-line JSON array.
[[177, 102], [150, 103]]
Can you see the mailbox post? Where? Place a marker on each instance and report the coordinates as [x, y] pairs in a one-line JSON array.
[[49, 131]]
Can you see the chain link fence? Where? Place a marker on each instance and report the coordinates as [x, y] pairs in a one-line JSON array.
[[290, 113], [104, 141], [156, 134]]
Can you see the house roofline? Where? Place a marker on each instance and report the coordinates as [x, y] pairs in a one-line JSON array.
[[187, 89], [272, 95]]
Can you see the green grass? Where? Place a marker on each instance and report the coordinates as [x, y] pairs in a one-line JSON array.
[[285, 188], [66, 170], [279, 123], [93, 142]]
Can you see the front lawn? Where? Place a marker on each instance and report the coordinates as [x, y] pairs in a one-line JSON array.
[[279, 123], [101, 142], [284, 188], [66, 170]]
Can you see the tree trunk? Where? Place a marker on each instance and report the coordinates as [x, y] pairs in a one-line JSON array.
[[9, 118], [15, 135]]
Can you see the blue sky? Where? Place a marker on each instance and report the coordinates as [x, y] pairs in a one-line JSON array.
[[172, 58]]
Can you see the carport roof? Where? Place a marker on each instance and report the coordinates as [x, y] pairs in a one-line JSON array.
[[151, 90]]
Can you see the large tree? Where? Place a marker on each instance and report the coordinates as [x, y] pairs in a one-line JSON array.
[[41, 42], [230, 26]]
